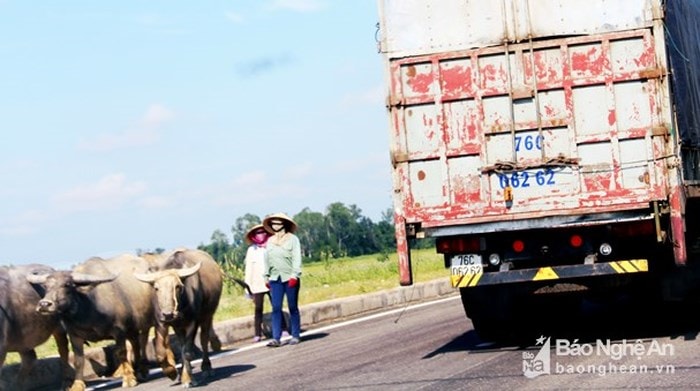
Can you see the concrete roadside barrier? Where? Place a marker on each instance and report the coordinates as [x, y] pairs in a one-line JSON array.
[[100, 361]]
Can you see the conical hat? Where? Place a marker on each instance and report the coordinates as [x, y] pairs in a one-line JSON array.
[[291, 225], [249, 234]]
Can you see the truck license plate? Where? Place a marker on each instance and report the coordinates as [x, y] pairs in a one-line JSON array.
[[466, 264]]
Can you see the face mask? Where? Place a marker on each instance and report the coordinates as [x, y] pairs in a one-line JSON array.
[[259, 238], [277, 226]]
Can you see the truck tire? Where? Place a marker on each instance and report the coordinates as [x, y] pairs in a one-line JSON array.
[[490, 309]]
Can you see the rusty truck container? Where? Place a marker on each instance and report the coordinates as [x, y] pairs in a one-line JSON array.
[[542, 141]]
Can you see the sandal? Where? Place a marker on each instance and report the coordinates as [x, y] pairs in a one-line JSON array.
[[274, 343]]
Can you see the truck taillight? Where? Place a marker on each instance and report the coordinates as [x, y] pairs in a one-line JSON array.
[[576, 241], [643, 228], [458, 245], [518, 246]]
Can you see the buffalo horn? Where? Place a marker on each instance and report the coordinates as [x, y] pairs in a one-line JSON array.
[[186, 272], [37, 278], [82, 278], [149, 277]]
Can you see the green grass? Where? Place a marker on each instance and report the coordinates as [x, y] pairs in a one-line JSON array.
[[342, 277], [321, 281]]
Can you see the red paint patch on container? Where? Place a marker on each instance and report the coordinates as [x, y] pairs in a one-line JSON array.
[[456, 81], [597, 182], [592, 62], [611, 118], [418, 82]]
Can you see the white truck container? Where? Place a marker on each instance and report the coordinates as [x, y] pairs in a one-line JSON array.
[[544, 144]]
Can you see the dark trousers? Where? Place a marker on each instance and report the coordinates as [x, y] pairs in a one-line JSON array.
[[259, 302], [278, 291]]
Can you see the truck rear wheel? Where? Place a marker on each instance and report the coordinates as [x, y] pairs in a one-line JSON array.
[[490, 309]]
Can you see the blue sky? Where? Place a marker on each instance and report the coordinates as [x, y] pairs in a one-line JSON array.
[[142, 124]]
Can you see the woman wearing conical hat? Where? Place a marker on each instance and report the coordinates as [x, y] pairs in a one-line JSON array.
[[256, 237], [283, 274]]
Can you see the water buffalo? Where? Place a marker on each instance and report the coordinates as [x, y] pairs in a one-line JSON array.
[[157, 260], [188, 285], [21, 328], [102, 300]]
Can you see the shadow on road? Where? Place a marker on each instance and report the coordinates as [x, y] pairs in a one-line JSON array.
[[312, 336], [220, 373], [625, 318]]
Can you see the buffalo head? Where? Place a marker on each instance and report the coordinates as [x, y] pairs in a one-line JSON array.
[[61, 287], [168, 285]]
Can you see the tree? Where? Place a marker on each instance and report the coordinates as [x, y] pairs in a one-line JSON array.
[[384, 231], [341, 231], [341, 224], [238, 230], [241, 226], [218, 247], [311, 233]]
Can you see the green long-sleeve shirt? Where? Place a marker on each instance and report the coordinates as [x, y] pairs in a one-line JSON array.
[[283, 258]]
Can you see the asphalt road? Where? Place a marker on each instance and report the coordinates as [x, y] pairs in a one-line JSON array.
[[432, 346]]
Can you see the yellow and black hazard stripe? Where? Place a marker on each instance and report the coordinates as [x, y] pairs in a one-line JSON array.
[[466, 280], [551, 273]]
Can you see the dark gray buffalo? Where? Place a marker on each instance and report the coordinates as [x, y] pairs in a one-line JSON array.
[[102, 300], [188, 286], [21, 328]]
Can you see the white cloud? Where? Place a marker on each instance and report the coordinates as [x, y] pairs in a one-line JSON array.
[[147, 132], [297, 5], [109, 192], [156, 115]]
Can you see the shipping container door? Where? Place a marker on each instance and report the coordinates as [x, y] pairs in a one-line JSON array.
[[530, 129]]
